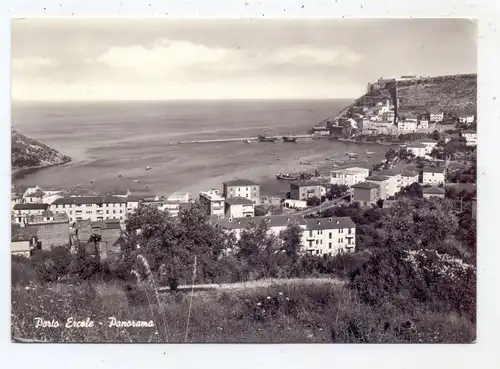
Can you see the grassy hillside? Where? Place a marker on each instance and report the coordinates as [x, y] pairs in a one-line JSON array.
[[29, 153], [450, 94]]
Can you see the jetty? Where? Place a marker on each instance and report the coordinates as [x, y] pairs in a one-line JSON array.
[[241, 139]]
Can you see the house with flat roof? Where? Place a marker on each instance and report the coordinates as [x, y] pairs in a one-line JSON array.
[[239, 207], [365, 193], [348, 176], [433, 175], [21, 211], [242, 188]]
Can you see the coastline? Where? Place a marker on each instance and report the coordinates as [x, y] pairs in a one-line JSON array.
[[19, 173]]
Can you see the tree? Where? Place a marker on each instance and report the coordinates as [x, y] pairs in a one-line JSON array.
[[313, 201], [435, 135], [390, 155], [412, 191], [337, 191], [96, 239], [291, 237]]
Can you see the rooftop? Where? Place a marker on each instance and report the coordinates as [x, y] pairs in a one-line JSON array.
[[36, 194], [433, 170], [329, 223], [273, 221], [23, 234], [433, 190], [408, 173], [239, 201], [469, 131], [240, 182], [377, 178], [305, 182], [212, 195], [427, 140], [80, 200], [351, 170], [387, 172], [31, 206], [416, 145], [365, 185], [134, 198]]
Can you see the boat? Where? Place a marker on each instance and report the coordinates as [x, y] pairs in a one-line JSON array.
[[246, 141], [91, 182], [286, 176], [136, 181], [369, 152], [305, 162], [289, 139], [266, 139], [119, 175], [335, 166], [149, 167]]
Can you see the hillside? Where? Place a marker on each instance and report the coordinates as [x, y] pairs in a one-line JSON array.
[[29, 153], [450, 94]]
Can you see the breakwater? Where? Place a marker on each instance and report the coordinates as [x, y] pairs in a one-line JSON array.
[[242, 139]]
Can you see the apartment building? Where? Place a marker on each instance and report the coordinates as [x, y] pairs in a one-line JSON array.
[[365, 193], [348, 176], [433, 176], [382, 182], [304, 190], [91, 207], [433, 191], [22, 211], [417, 149], [213, 202], [242, 188], [239, 207], [395, 181], [329, 236], [320, 236]]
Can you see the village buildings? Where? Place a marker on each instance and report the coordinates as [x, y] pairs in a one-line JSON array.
[[52, 230], [418, 149], [23, 241], [395, 182], [242, 188], [433, 175], [22, 211], [382, 182], [408, 177]]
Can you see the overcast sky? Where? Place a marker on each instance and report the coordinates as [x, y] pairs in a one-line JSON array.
[[134, 59]]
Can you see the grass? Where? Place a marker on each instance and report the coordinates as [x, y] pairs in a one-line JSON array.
[[298, 311]]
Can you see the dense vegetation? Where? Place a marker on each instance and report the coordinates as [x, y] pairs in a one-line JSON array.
[[27, 153], [414, 265]]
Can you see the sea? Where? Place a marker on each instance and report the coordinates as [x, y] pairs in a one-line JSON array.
[[111, 143]]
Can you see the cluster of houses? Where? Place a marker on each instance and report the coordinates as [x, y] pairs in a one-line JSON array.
[[367, 189], [45, 218]]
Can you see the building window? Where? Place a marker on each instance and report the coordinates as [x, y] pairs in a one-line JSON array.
[[317, 252], [350, 230], [330, 235], [317, 242], [329, 245]]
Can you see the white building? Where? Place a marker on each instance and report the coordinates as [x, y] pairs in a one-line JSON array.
[[408, 177], [133, 203], [348, 176], [181, 197], [407, 125], [35, 197], [433, 176], [423, 124], [382, 182], [94, 208], [436, 117], [429, 143], [213, 202], [466, 118], [470, 137], [242, 188], [295, 204], [22, 211], [417, 149], [395, 181], [50, 197], [320, 236], [239, 207]]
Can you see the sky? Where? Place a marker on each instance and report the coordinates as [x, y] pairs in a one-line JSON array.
[[94, 59]]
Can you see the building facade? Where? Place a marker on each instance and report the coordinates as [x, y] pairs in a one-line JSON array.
[[382, 182], [242, 188], [433, 191], [395, 181], [433, 176], [94, 208], [470, 137], [365, 193], [239, 207], [408, 177], [304, 190], [349, 176], [22, 211], [213, 202]]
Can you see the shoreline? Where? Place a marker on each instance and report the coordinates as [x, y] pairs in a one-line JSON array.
[[19, 173]]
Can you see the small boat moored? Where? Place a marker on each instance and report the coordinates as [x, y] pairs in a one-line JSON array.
[[149, 167], [286, 176], [289, 139]]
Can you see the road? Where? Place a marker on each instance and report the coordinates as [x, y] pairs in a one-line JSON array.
[[326, 205]]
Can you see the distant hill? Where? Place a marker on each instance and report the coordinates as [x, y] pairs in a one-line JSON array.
[[450, 94], [29, 153]]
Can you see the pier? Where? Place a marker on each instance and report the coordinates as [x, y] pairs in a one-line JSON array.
[[220, 140]]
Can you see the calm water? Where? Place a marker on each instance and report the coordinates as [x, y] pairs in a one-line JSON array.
[[106, 139]]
